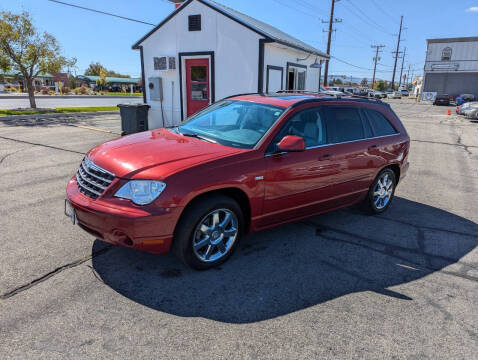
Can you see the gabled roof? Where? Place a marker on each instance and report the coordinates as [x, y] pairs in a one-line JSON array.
[[266, 30]]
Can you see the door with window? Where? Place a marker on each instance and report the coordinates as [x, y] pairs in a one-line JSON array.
[[197, 85], [295, 182], [334, 170]]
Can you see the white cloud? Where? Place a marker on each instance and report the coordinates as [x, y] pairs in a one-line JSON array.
[[472, 9]]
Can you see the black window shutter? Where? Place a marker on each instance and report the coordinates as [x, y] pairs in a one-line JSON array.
[[194, 22]]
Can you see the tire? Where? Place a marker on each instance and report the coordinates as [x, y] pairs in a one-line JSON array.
[[371, 203], [202, 240]]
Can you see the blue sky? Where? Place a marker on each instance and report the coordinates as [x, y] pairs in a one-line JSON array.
[[93, 37]]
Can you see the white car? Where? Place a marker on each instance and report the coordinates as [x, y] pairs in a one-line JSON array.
[[394, 95]]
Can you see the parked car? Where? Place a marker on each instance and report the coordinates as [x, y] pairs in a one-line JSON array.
[[377, 94], [442, 99], [394, 95], [472, 113], [460, 109], [405, 92], [464, 98], [469, 110], [243, 164]]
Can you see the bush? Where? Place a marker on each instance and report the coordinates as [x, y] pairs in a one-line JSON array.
[[44, 90], [65, 89], [83, 90]]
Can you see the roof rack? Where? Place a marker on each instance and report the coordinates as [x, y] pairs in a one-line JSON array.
[[348, 96]]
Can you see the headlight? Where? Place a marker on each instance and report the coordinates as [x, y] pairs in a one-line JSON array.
[[141, 192]]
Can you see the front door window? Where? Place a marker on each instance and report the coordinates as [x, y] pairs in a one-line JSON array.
[[197, 84]]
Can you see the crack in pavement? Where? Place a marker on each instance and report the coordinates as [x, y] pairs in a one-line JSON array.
[[44, 145], [53, 273], [459, 144], [9, 154]]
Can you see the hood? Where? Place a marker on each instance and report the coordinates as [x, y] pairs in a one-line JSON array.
[[130, 155]]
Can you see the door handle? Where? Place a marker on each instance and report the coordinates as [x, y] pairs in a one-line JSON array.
[[324, 157], [372, 147]]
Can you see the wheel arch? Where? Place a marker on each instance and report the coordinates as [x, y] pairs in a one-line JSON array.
[[234, 193]]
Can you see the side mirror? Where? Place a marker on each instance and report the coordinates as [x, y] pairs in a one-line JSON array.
[[291, 143]]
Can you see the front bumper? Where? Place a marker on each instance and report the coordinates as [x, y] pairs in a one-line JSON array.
[[148, 229]]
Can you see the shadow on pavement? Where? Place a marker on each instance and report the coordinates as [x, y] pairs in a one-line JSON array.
[[295, 266]]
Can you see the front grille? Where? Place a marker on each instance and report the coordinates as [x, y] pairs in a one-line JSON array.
[[92, 180]]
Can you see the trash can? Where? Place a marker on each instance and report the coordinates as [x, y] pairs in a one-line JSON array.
[[134, 118]]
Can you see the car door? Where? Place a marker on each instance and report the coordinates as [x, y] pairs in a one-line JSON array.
[[295, 181], [348, 138]]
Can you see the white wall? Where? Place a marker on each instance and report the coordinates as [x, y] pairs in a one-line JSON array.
[[236, 51], [278, 55], [465, 54]]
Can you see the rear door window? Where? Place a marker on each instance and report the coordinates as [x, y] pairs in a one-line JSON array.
[[380, 124], [343, 124]]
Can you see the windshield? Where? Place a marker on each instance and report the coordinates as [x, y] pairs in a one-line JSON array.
[[232, 123]]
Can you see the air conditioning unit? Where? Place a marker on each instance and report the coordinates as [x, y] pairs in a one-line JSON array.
[[164, 63]]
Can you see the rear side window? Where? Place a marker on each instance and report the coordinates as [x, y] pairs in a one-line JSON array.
[[343, 124], [380, 125]]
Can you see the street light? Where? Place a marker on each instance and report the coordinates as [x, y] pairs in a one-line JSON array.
[[318, 65]]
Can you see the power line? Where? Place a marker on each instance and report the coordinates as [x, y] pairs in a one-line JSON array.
[[101, 12], [296, 9], [383, 11], [361, 14]]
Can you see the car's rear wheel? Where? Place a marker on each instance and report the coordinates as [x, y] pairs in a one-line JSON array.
[[381, 192], [208, 232]]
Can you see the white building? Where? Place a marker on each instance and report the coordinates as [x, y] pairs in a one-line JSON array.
[[451, 66], [203, 52]]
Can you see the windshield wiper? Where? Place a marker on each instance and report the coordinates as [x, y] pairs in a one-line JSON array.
[[199, 137]]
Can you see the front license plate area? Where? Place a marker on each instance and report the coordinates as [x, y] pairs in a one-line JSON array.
[[70, 212]]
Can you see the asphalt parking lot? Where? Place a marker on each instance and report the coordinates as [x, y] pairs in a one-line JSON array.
[[403, 285]]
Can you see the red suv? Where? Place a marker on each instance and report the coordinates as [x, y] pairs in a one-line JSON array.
[[241, 165]]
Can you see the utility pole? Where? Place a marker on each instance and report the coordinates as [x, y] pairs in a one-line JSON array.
[[329, 38], [408, 74], [403, 62], [396, 52], [375, 60]]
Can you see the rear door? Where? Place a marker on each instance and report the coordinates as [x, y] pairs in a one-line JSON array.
[[348, 136]]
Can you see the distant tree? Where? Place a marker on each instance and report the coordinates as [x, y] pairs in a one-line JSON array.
[[72, 83], [364, 82], [380, 85], [23, 49], [94, 69], [338, 82]]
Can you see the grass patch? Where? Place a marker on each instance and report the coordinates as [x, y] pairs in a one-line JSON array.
[[59, 110]]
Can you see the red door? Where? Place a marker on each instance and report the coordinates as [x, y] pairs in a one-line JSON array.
[[197, 85]]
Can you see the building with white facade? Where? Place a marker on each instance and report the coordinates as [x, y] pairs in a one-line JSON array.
[[203, 52], [451, 66]]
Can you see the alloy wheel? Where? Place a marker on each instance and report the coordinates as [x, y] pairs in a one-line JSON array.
[[383, 192], [215, 235]]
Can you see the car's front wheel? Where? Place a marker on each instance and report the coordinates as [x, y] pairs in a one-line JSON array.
[[381, 192], [208, 232]]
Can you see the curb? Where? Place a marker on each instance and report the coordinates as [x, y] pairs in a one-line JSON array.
[[53, 115]]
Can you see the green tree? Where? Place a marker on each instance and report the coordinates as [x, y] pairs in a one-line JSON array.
[[101, 82], [94, 69], [380, 85], [25, 50]]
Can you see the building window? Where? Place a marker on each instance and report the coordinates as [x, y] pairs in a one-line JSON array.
[[194, 22], [446, 54]]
